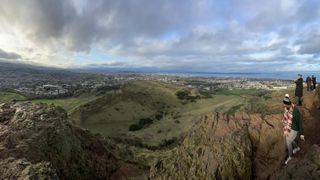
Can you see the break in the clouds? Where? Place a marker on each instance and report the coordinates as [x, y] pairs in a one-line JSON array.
[[202, 35]]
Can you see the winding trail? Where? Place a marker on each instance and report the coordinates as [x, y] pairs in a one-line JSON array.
[[311, 122]]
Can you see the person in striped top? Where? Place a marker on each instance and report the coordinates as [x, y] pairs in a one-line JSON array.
[[292, 126]]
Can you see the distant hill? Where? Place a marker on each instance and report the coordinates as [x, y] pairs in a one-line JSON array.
[[14, 75]]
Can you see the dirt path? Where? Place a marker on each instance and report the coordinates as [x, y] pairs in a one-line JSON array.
[[311, 122]]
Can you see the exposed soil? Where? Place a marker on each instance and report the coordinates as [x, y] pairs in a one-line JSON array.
[[129, 171], [311, 122]]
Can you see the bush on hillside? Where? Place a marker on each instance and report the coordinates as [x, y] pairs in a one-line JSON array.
[[145, 121], [205, 94], [186, 96], [142, 124], [183, 94], [168, 142], [134, 127], [159, 115]]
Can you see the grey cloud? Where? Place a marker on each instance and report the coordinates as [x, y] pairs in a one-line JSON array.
[[140, 30], [9, 55], [111, 21], [39, 19], [309, 42], [276, 14], [223, 41]]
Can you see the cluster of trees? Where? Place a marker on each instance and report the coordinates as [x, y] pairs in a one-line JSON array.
[[185, 95]]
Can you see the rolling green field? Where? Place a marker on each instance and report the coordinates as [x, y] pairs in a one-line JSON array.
[[9, 96], [69, 104], [112, 114]]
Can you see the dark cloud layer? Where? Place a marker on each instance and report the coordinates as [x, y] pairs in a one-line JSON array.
[[203, 34], [8, 55], [113, 21]]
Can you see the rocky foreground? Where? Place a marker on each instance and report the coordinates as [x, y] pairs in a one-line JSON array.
[[242, 146], [37, 142]]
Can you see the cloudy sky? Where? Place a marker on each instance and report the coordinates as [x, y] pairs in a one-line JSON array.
[[193, 35]]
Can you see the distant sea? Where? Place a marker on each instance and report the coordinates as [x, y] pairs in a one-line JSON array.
[[259, 75]]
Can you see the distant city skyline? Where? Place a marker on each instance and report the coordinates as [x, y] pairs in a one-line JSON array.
[[166, 35]]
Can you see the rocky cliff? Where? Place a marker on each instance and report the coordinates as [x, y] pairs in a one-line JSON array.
[[37, 142], [226, 147], [244, 146]]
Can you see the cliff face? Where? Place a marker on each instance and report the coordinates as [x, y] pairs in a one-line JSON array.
[[39, 141], [226, 147], [245, 147]]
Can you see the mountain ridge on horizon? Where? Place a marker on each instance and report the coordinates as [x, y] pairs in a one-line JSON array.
[[105, 69]]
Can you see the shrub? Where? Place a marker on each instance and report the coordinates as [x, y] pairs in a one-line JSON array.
[[134, 127], [145, 121], [167, 142], [183, 94], [159, 115], [142, 123]]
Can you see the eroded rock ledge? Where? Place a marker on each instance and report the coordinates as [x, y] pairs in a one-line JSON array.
[[39, 142]]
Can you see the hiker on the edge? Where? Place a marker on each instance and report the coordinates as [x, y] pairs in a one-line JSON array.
[[314, 82], [308, 81], [299, 89], [292, 126]]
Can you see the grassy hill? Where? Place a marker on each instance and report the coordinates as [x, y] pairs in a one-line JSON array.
[[70, 104], [113, 114], [9, 96]]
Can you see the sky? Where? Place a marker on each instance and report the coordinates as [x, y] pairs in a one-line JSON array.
[[187, 35]]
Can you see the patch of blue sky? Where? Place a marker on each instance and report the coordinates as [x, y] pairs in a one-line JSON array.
[[97, 57], [172, 35]]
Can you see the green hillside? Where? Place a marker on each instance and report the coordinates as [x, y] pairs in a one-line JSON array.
[[113, 114], [69, 104], [9, 96]]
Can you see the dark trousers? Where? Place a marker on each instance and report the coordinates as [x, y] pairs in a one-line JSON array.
[[299, 101]]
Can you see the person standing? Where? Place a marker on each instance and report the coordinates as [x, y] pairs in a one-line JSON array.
[[292, 126], [308, 81], [314, 82], [299, 89]]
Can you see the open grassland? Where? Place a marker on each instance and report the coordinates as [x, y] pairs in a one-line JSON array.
[[10, 96], [112, 114], [69, 104]]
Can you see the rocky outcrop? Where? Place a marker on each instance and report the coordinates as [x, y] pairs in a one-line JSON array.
[[38, 140], [22, 169], [226, 147], [305, 168]]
